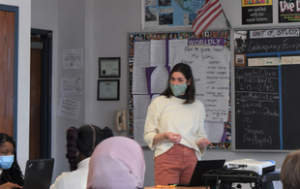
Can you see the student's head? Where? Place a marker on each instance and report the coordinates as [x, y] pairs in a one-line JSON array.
[[117, 162], [226, 34], [81, 142], [181, 82], [131, 38], [147, 37], [136, 37], [290, 171], [215, 34], [186, 35], [175, 36], [12, 172], [221, 33]]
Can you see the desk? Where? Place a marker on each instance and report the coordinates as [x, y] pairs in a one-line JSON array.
[[181, 187]]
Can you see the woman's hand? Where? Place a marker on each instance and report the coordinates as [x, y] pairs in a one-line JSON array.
[[9, 185], [174, 138], [202, 143]]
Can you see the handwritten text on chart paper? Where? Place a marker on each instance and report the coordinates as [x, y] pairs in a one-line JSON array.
[[210, 65]]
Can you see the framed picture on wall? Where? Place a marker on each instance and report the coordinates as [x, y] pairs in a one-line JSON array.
[[109, 67], [239, 59], [108, 90]]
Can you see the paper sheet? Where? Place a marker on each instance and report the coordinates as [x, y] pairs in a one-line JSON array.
[[139, 82], [141, 54], [158, 53], [138, 131], [140, 104], [71, 84], [159, 78], [69, 108], [175, 43], [72, 59], [214, 131]]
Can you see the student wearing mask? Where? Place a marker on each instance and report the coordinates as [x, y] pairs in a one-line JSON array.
[[80, 146], [11, 174], [174, 128], [117, 163]]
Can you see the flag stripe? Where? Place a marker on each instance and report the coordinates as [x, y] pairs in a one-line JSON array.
[[206, 15], [203, 16], [203, 24], [207, 24], [205, 10]]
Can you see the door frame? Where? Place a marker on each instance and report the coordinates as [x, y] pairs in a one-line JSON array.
[[46, 91], [15, 10]]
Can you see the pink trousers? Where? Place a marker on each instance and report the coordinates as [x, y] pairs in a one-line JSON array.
[[175, 165]]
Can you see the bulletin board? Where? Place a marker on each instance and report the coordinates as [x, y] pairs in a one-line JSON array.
[[208, 47], [267, 88]]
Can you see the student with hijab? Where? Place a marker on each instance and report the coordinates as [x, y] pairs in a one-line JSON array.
[[80, 146], [11, 174], [117, 163], [174, 128]]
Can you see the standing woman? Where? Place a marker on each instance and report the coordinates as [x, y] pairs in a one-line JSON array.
[[174, 127], [80, 146]]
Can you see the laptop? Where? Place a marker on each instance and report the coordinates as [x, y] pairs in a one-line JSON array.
[[38, 173], [201, 168]]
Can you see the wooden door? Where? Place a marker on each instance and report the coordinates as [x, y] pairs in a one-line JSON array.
[[7, 32], [35, 100]]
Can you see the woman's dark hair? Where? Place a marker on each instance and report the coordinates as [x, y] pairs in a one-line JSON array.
[[14, 174], [187, 72], [85, 139]]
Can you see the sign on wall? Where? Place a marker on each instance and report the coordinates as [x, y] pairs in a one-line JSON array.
[[257, 11], [289, 11]]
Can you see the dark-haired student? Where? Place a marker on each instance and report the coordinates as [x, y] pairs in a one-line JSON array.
[[174, 128], [80, 146], [11, 174]]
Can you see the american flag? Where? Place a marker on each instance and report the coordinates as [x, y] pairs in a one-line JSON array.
[[208, 13]]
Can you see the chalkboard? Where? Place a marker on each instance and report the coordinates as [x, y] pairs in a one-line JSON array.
[[267, 89], [257, 108], [290, 106], [267, 107]]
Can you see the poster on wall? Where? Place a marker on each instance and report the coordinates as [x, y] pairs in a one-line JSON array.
[[169, 13], [257, 11], [289, 11]]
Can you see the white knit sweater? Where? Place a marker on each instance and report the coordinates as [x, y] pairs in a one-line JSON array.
[[171, 115]]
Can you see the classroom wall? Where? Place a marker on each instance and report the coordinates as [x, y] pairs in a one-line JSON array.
[[67, 24], [100, 27], [23, 78], [110, 39]]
